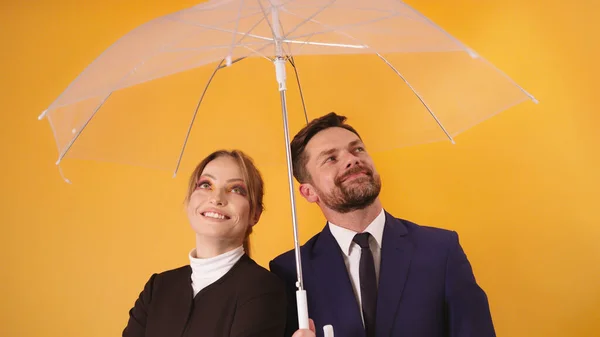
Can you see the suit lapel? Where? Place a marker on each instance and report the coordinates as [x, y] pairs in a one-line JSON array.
[[396, 253], [332, 277]]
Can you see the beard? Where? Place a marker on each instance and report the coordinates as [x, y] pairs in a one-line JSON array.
[[359, 193]]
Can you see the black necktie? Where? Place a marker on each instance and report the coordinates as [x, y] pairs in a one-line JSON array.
[[368, 283]]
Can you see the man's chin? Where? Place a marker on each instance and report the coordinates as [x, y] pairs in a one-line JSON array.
[[355, 205], [359, 187]]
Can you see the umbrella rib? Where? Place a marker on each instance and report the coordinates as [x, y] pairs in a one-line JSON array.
[[177, 19], [258, 52], [374, 9], [334, 29], [468, 50], [213, 47], [164, 48], [266, 18], [72, 141], [293, 63], [234, 33], [437, 120], [325, 44], [187, 135], [472, 53], [237, 24], [309, 18], [223, 30], [253, 51]]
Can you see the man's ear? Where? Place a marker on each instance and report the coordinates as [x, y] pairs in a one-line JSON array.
[[308, 192]]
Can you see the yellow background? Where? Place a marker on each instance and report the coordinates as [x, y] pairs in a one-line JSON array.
[[521, 188]]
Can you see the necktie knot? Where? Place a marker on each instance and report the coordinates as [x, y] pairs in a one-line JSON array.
[[362, 239]]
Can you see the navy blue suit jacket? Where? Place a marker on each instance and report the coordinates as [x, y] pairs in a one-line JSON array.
[[426, 286]]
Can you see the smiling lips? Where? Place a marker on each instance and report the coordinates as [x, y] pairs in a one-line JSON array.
[[214, 215], [355, 175]]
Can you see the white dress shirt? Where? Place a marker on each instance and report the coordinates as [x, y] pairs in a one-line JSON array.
[[206, 271], [352, 250]]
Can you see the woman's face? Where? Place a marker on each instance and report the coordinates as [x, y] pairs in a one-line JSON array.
[[219, 206]]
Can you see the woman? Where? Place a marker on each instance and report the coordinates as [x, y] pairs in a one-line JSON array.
[[223, 292]]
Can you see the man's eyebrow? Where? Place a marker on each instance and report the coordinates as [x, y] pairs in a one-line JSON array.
[[329, 152], [356, 142], [326, 153]]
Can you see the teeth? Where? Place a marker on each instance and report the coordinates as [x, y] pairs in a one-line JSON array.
[[214, 215]]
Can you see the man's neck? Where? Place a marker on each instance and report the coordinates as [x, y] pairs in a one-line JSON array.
[[356, 220]]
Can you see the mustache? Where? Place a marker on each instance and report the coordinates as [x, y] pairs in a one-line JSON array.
[[354, 170]]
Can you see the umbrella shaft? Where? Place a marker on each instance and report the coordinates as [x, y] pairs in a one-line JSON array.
[[300, 283], [276, 30]]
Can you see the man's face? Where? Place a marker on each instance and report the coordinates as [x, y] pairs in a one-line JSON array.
[[343, 176]]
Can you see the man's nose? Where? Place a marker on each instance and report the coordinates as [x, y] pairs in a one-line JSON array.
[[350, 159]]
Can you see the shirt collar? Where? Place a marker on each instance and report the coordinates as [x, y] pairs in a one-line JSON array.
[[344, 236]]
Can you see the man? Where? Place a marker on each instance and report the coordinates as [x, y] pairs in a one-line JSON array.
[[368, 273]]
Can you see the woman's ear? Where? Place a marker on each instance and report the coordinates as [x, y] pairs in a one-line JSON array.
[[256, 218]]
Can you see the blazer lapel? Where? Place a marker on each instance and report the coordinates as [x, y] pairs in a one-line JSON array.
[[396, 253], [332, 277], [178, 302]]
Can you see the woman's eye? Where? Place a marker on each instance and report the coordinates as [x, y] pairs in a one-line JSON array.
[[203, 185], [239, 190]]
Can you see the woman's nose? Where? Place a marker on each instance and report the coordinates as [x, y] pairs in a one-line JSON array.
[[217, 198]]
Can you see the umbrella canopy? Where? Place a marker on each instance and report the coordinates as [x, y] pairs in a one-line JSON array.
[[430, 86]]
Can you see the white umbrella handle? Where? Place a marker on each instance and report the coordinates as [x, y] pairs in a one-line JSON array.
[[328, 330], [302, 309], [303, 314]]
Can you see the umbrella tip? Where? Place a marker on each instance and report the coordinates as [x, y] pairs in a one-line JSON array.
[[42, 115], [228, 60], [67, 180]]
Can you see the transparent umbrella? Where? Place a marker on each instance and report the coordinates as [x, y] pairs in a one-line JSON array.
[[428, 85]]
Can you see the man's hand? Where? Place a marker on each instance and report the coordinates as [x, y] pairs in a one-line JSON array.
[[306, 332]]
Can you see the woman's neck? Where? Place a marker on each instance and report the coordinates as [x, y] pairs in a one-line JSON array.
[[206, 270], [209, 247]]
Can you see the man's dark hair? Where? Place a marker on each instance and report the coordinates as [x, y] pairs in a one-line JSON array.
[[298, 144]]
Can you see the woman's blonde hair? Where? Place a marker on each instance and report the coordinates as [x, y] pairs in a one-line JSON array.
[[252, 178]]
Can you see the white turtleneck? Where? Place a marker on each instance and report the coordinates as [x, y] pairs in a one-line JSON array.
[[207, 271]]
